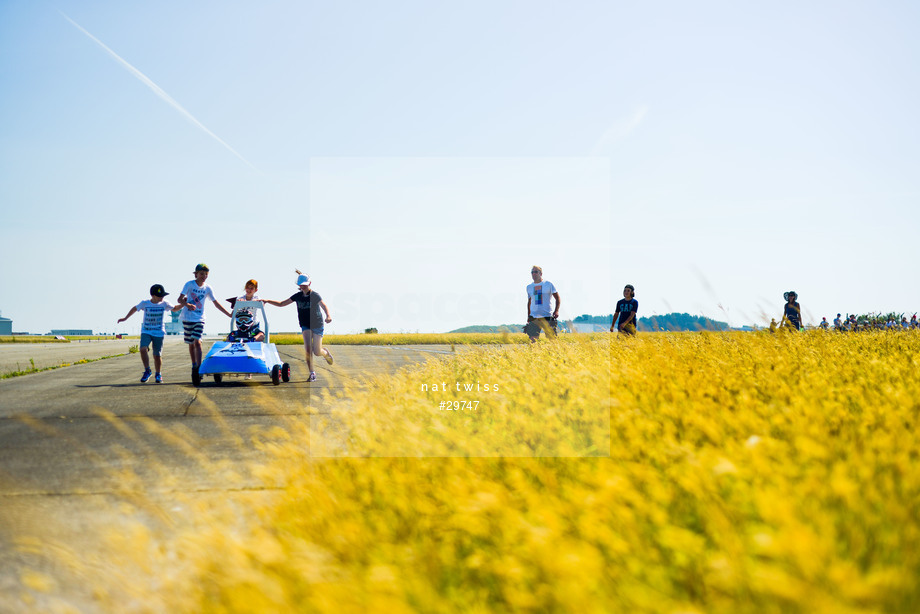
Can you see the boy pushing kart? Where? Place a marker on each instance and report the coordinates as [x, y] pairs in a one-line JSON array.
[[193, 297]]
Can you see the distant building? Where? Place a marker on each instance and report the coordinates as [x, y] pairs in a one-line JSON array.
[[6, 326], [71, 332], [174, 327], [589, 327]]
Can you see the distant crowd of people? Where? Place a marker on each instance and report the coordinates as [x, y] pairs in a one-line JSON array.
[[852, 323], [792, 318]]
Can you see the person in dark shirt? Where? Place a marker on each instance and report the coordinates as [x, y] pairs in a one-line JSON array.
[[625, 314], [792, 311], [309, 304]]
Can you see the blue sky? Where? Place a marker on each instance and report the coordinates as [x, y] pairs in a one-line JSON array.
[[417, 158]]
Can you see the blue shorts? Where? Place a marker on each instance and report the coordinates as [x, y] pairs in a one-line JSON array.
[[316, 331], [146, 339]]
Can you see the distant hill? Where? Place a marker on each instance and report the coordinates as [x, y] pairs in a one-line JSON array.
[[504, 328], [666, 322]]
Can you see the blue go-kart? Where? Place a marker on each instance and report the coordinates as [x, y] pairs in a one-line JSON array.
[[243, 357]]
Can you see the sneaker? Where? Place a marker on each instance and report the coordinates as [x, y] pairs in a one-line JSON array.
[[158, 378], [145, 376], [328, 356], [312, 376]]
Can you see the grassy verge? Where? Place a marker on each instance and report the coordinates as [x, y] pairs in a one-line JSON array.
[[34, 369], [53, 339], [409, 339], [100, 337]]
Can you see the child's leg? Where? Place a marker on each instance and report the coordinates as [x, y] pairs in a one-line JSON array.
[[157, 350], [193, 332], [145, 343], [318, 348], [307, 346]]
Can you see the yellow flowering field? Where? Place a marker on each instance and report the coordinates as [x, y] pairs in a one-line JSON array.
[[689, 472], [408, 339]]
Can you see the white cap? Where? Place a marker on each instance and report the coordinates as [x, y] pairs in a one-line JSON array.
[[303, 279]]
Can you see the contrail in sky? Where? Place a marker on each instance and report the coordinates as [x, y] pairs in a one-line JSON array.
[[159, 91], [620, 130]]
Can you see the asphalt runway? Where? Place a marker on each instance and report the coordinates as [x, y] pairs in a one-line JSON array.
[[23, 355], [87, 452]]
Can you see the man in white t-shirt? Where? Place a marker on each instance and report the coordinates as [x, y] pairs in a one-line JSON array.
[[539, 316]]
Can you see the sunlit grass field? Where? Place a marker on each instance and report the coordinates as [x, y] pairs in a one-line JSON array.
[[692, 472], [408, 339]]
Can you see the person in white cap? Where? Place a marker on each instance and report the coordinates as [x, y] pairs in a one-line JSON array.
[[309, 304]]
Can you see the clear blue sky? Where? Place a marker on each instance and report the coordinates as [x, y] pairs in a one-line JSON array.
[[416, 158]]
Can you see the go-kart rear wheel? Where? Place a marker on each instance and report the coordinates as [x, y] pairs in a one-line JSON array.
[[218, 378], [276, 375], [196, 377], [285, 372]]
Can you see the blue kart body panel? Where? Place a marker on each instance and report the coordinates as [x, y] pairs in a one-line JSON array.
[[235, 357]]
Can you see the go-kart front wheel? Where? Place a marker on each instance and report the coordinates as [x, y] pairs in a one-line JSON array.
[[218, 378], [285, 372], [276, 375]]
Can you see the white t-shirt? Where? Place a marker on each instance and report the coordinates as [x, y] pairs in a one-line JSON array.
[[196, 296], [540, 294], [153, 317]]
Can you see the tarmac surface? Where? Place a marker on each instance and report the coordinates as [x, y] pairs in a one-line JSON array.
[[88, 453], [20, 356]]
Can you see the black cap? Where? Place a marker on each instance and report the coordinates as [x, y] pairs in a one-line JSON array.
[[158, 290]]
